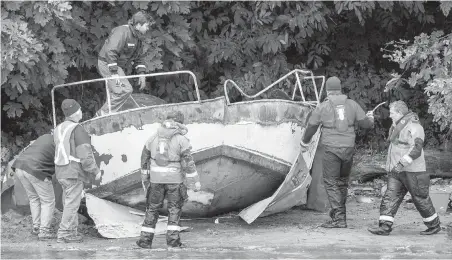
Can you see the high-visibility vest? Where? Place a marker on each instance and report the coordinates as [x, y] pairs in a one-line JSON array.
[[61, 136], [170, 173]]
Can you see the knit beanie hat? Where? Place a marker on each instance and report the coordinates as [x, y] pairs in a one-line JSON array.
[[176, 116], [333, 83], [69, 107]]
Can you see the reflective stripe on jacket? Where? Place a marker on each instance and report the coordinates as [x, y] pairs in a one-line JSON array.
[[62, 135], [403, 144]]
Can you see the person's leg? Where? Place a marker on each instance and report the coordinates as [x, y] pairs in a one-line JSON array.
[[46, 194], [346, 154], [175, 197], [72, 191], [390, 203], [331, 177], [155, 202], [418, 184], [119, 93], [33, 197]]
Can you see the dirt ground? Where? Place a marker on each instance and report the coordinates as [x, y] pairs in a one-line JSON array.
[[292, 234]]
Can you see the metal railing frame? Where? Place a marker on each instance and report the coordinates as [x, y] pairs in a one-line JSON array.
[[298, 84], [121, 77]]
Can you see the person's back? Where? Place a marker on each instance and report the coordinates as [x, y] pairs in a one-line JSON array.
[[37, 158], [34, 168], [166, 162], [338, 116]]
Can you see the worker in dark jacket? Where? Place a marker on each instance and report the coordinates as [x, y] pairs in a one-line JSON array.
[[75, 164], [166, 162], [338, 115], [34, 168], [124, 47], [406, 169]]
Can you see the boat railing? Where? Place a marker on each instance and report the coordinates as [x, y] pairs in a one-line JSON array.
[[307, 74], [80, 83]]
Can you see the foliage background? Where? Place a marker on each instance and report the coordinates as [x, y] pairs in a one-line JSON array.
[[253, 43]]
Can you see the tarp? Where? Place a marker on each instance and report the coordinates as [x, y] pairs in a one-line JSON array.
[[293, 190], [117, 221]]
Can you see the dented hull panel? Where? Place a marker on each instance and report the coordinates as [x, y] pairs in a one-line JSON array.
[[274, 130], [232, 179]]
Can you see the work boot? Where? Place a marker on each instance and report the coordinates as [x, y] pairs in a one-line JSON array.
[[144, 243], [46, 236], [70, 239], [334, 224], [431, 231], [381, 230], [35, 231], [180, 246], [145, 240]]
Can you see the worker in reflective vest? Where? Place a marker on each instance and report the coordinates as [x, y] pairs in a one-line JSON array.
[[74, 163], [167, 155], [406, 172], [123, 49]]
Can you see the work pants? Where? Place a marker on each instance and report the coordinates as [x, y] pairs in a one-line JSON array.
[[119, 93], [176, 194], [417, 184], [42, 199], [337, 164]]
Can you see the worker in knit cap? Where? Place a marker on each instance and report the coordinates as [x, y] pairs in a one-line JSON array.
[[338, 116], [74, 166]]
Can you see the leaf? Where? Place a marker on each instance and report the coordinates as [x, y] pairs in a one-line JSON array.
[[13, 109], [445, 7]]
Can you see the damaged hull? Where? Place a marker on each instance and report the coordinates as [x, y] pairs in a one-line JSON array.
[[243, 151]]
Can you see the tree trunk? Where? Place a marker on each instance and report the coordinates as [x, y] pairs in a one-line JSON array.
[[367, 167]]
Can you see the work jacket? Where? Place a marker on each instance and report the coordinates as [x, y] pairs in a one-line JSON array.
[[180, 164], [37, 158], [406, 139], [124, 46], [324, 114], [74, 158]]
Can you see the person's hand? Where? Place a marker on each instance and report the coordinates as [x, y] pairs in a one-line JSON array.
[[145, 175], [398, 168], [303, 147], [142, 82], [197, 186], [116, 76], [370, 114], [98, 176]]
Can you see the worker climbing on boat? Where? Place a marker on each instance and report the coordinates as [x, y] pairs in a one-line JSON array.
[[338, 116], [123, 48], [166, 162], [406, 169]]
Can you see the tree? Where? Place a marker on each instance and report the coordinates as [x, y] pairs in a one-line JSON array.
[[426, 62]]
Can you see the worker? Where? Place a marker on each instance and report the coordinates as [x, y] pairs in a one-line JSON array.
[[34, 168], [123, 48], [406, 169], [338, 116], [166, 162], [75, 164]]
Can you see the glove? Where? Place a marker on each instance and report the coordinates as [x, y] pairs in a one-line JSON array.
[[142, 82], [398, 168], [116, 76], [98, 176], [145, 175], [197, 186], [370, 115], [304, 147]]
